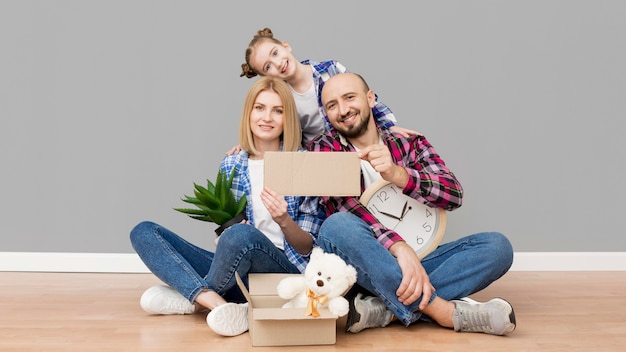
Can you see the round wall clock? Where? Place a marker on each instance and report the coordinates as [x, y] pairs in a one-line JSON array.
[[421, 226]]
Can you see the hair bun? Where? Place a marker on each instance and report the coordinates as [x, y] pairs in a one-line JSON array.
[[247, 71], [265, 32]]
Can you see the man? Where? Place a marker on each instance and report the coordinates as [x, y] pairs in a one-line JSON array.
[[399, 284]]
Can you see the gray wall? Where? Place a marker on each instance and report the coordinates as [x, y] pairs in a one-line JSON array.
[[110, 110]]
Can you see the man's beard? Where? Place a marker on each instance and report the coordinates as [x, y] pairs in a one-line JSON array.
[[357, 130]]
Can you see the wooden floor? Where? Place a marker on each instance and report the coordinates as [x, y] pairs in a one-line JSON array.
[[556, 311]]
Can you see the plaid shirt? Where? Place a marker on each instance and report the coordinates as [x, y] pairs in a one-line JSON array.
[[303, 210], [322, 71], [430, 180]]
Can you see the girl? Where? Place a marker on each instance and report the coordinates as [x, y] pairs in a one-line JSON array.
[[277, 237], [268, 56]]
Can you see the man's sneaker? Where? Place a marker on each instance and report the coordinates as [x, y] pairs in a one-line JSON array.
[[494, 317], [165, 300], [367, 312], [229, 319]]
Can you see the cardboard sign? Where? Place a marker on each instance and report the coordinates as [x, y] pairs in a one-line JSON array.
[[313, 173]]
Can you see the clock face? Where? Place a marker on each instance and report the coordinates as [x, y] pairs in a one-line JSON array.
[[421, 226]]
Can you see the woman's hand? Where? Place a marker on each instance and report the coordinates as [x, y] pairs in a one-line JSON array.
[[244, 221], [276, 206]]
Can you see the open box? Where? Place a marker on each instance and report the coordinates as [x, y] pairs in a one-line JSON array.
[[271, 325]]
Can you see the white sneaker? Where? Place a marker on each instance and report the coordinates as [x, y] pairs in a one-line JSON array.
[[494, 317], [165, 300], [230, 319], [367, 312]]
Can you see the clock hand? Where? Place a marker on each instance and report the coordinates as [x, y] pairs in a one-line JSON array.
[[404, 212], [389, 215]]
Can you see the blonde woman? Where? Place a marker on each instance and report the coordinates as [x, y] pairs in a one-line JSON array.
[[277, 236]]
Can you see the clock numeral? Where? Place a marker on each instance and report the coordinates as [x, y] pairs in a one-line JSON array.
[[427, 227], [428, 213], [419, 240], [373, 209], [382, 196]]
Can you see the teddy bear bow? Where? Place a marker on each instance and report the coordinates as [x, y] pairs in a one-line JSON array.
[[311, 307]]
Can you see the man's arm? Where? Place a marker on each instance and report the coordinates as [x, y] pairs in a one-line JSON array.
[[430, 180], [330, 142]]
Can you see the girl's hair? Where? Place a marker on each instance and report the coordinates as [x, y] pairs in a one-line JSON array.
[[261, 35], [292, 135]]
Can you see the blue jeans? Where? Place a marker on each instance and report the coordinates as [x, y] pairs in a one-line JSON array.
[[190, 269], [456, 269]]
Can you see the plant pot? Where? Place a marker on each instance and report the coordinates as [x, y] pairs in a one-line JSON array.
[[237, 219]]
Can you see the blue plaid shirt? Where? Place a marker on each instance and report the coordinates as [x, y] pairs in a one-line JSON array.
[[303, 210], [322, 71]]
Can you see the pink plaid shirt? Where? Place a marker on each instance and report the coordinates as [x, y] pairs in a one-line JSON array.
[[430, 180]]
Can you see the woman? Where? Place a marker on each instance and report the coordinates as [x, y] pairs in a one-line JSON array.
[[277, 237]]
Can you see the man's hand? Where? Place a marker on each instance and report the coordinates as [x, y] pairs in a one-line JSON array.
[[415, 280], [234, 150], [379, 157], [403, 131]]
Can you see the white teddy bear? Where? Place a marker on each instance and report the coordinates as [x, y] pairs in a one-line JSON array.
[[326, 279]]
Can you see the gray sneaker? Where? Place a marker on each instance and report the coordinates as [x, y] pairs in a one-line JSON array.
[[494, 317], [165, 300], [367, 312]]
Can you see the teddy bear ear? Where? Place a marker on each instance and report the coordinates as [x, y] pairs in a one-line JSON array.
[[317, 252]]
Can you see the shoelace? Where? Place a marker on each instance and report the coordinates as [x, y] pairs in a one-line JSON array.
[[476, 321], [376, 314]]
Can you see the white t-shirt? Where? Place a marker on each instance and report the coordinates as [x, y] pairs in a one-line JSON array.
[[311, 119], [262, 219]]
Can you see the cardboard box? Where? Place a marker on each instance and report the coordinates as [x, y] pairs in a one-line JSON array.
[[272, 325], [313, 173]]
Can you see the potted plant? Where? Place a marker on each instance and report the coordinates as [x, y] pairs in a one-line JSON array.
[[216, 203]]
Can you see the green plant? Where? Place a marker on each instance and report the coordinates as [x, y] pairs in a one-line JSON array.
[[215, 203]]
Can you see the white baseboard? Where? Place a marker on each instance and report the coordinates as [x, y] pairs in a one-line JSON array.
[[72, 262], [130, 262], [569, 261]]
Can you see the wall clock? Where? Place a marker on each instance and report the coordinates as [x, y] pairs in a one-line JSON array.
[[421, 226]]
